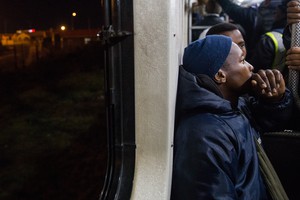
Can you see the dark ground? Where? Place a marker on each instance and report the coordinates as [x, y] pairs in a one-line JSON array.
[[53, 134]]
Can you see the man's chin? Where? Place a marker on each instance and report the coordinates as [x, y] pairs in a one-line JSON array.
[[246, 88]]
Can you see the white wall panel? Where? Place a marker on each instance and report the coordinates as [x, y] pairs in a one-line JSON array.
[[159, 35]]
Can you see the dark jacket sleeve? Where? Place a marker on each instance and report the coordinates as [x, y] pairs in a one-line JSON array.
[[263, 55], [272, 116], [246, 17]]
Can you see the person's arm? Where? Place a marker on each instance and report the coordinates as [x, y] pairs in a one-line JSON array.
[[272, 106], [246, 17], [293, 54], [293, 12], [272, 116], [293, 16]]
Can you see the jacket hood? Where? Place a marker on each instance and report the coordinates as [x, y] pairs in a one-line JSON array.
[[198, 93]]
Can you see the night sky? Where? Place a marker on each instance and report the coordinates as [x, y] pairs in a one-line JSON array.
[[46, 14]]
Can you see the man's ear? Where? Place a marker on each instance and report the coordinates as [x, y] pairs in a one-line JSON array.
[[220, 77]]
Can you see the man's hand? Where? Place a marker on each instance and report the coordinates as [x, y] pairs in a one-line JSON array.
[[293, 12], [268, 84], [292, 59]]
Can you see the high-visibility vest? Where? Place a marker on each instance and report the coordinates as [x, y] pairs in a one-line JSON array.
[[279, 51]]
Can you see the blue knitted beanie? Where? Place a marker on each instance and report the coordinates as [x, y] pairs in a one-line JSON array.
[[207, 55]]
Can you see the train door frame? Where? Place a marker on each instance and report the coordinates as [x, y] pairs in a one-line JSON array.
[[117, 39], [141, 142]]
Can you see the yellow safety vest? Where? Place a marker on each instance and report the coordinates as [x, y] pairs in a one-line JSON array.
[[279, 52]]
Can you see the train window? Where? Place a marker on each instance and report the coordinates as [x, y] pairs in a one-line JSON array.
[[53, 124]]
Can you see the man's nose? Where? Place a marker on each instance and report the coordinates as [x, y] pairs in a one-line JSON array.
[[251, 68]]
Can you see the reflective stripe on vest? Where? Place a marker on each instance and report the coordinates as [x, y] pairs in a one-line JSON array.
[[279, 58]]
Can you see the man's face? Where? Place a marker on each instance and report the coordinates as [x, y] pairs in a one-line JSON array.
[[238, 71], [237, 38]]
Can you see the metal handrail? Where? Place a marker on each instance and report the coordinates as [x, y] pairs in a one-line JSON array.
[[293, 80]]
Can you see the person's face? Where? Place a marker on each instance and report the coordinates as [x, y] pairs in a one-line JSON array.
[[237, 70], [237, 38]]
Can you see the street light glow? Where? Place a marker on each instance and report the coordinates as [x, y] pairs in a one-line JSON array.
[[73, 19], [62, 28]]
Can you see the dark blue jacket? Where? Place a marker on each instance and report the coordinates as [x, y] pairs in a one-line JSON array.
[[214, 150]]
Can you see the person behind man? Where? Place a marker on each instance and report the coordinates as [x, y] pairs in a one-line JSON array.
[[231, 30], [197, 13], [216, 126], [251, 19], [270, 51], [211, 16]]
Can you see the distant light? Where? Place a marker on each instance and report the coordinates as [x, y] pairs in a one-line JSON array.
[[74, 14], [26, 31], [62, 28], [87, 40]]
